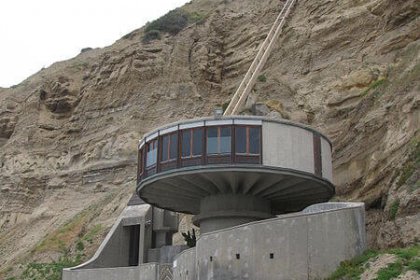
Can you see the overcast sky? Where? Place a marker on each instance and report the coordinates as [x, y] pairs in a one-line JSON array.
[[37, 33]]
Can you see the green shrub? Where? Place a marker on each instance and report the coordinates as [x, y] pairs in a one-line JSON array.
[[393, 210], [374, 86], [407, 259], [151, 35], [173, 22], [390, 272], [50, 271], [196, 17], [262, 78], [415, 265], [354, 268], [225, 105], [189, 238], [79, 245]]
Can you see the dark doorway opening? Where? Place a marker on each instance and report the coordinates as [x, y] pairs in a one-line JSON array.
[[133, 258]]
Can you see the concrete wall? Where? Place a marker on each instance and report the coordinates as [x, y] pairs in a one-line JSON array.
[[165, 254], [288, 147], [326, 159], [114, 250], [149, 271], [334, 236], [184, 266], [305, 245], [292, 147]]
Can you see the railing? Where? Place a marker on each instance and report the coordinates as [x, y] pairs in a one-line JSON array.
[[248, 82]]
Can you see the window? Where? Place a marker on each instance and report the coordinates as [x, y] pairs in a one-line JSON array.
[[247, 140], [218, 140], [192, 142], [151, 153], [169, 147]]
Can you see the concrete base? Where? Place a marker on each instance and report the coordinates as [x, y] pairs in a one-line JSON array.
[[229, 210], [307, 245]]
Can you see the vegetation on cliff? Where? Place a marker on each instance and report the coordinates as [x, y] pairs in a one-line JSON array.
[[381, 265]]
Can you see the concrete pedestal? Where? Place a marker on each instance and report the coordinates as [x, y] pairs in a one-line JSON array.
[[228, 210]]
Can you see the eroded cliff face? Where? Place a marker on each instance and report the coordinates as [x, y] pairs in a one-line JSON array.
[[68, 134]]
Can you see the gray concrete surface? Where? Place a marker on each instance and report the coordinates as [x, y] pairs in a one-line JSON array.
[[114, 250], [111, 260], [149, 271], [184, 266], [228, 210], [326, 157], [183, 190], [304, 245], [165, 254], [288, 146]]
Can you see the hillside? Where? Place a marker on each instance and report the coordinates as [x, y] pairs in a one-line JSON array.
[[68, 134]]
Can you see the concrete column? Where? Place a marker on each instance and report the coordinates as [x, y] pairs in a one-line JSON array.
[[228, 210]]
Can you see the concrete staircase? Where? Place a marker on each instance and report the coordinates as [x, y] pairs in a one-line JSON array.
[[241, 94]]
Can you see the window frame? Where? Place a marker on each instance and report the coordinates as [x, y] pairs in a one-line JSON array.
[[219, 129], [231, 156], [191, 144], [169, 159], [153, 167], [140, 161], [248, 140]]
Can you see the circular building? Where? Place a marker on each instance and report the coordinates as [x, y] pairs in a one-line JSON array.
[[234, 170]]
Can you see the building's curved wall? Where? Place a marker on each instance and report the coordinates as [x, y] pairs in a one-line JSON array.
[[294, 246], [288, 146], [283, 145], [184, 266], [293, 147], [326, 154]]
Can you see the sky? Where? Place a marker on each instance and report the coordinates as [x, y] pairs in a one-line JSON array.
[[36, 33]]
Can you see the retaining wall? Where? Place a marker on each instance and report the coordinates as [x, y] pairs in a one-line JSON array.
[[304, 245]]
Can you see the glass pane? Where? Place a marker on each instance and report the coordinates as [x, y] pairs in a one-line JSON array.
[[186, 140], [165, 142], [174, 146], [151, 154], [198, 142], [254, 140], [225, 140], [212, 140], [240, 139]]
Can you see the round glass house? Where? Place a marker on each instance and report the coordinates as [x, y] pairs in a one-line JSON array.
[[234, 170]]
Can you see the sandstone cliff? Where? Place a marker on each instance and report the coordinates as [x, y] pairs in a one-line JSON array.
[[68, 134]]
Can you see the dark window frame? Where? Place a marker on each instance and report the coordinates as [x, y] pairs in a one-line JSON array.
[[169, 159], [219, 132], [191, 132], [180, 161], [140, 162], [248, 140], [153, 143]]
